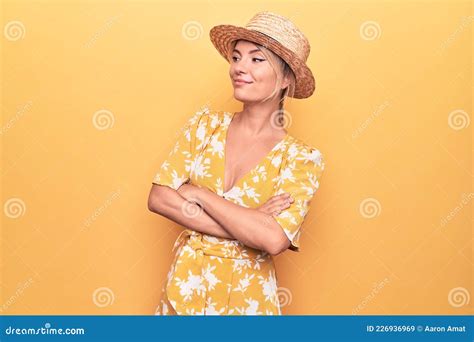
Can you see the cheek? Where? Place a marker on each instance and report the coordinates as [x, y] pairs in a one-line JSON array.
[[265, 74], [266, 80]]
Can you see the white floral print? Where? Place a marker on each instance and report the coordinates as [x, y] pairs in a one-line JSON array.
[[217, 276]]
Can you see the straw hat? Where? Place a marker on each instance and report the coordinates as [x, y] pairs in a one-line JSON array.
[[278, 34]]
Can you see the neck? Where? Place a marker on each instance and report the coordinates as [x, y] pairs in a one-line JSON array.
[[259, 119]]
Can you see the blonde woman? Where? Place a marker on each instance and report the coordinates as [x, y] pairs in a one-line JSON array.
[[238, 182]]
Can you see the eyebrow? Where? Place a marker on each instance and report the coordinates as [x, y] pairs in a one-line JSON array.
[[252, 51]]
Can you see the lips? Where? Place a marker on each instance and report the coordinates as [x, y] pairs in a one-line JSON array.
[[241, 81]]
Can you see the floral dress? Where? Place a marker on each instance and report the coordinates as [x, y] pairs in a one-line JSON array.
[[218, 276]]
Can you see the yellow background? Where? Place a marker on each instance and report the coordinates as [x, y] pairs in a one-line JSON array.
[[390, 230]]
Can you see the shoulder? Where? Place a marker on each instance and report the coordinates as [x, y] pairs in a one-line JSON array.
[[304, 155], [207, 117]]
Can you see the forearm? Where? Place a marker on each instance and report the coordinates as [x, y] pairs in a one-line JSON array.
[[252, 227], [175, 207]]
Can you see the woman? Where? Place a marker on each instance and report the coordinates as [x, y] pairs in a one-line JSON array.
[[238, 181]]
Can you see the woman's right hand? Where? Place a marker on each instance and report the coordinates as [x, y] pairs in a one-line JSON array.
[[276, 204]]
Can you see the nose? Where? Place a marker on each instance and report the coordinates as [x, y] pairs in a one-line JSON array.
[[239, 70], [241, 66]]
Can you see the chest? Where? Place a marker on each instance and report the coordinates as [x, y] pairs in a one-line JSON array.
[[243, 171], [242, 156]]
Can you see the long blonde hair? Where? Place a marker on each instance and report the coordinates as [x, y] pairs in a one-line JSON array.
[[282, 70]]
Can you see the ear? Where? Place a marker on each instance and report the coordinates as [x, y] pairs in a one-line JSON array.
[[285, 83]]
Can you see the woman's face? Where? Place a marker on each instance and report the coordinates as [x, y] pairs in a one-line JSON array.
[[249, 65]]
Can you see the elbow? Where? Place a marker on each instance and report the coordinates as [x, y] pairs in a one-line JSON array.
[[152, 203], [275, 240], [154, 199], [278, 245]]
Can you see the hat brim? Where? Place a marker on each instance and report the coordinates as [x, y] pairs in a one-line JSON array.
[[222, 35]]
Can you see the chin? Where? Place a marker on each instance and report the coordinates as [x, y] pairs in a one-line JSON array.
[[243, 96], [240, 97]]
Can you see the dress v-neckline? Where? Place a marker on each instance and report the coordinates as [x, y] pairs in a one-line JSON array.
[[254, 167]]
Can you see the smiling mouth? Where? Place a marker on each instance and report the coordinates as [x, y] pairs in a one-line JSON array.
[[241, 82]]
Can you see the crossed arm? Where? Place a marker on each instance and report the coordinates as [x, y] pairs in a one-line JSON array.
[[219, 217]]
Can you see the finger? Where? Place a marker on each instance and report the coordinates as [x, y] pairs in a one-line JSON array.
[[273, 199], [280, 199], [283, 195], [270, 209], [276, 212], [282, 202], [279, 206], [278, 209]]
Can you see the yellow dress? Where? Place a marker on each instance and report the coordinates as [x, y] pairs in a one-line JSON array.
[[218, 276]]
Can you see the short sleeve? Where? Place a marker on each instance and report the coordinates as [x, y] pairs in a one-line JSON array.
[[176, 169], [300, 177]]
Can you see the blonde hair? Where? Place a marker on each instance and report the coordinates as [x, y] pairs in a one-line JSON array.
[[282, 70]]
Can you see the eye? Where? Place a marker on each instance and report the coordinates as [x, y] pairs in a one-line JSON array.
[[234, 58]]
